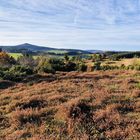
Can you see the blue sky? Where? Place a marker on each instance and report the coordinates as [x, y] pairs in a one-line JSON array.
[[78, 24]]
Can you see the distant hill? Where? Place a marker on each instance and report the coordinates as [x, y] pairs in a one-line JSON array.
[[41, 49], [25, 47], [95, 51]]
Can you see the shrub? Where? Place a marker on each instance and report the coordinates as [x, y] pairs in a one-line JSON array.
[[15, 73], [12, 76], [22, 117], [70, 66], [27, 60], [80, 110], [82, 67], [66, 57], [106, 67], [131, 67], [81, 120], [47, 68], [21, 69], [122, 66], [97, 57], [97, 65], [57, 64], [44, 66], [34, 103], [114, 57], [137, 67], [6, 60]]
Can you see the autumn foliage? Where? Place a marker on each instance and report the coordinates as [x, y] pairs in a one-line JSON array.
[[93, 105], [5, 59]]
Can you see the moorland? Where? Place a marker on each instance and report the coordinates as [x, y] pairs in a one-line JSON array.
[[65, 97]]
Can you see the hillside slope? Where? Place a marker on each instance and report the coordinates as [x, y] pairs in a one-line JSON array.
[[35, 48], [96, 105]]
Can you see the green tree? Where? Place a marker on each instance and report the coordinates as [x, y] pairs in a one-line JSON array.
[[66, 57]]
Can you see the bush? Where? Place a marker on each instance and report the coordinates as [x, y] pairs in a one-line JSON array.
[[131, 67], [21, 69], [15, 73], [137, 67], [122, 67], [82, 67], [27, 60], [97, 57], [109, 67], [54, 64], [44, 66], [47, 68], [114, 57], [70, 66], [6, 60], [81, 110], [16, 77], [97, 65], [57, 64]]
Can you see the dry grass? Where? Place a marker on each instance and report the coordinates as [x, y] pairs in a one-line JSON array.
[[92, 105], [125, 61]]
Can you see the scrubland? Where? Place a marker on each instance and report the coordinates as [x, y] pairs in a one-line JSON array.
[[99, 105]]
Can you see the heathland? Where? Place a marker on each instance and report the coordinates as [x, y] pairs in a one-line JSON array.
[[92, 96]]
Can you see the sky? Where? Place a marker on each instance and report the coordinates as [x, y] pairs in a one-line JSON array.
[[76, 24]]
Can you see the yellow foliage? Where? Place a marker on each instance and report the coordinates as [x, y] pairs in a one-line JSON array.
[[5, 58], [4, 55]]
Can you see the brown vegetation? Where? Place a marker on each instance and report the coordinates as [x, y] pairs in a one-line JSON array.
[[95, 105]]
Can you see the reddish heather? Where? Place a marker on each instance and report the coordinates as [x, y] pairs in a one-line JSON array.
[[92, 105]]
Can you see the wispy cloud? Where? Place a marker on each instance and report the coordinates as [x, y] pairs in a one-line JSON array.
[[92, 24]]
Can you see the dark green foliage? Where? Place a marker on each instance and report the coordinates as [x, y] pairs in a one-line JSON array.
[[54, 64], [80, 111], [21, 69], [114, 57], [70, 66], [82, 67], [12, 76], [47, 68], [73, 58], [109, 67], [77, 58], [97, 65], [57, 64], [137, 67], [133, 67], [97, 57], [120, 55], [15, 73], [66, 57], [122, 67]]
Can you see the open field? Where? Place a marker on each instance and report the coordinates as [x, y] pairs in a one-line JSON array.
[[125, 61], [91, 105], [58, 51], [15, 55]]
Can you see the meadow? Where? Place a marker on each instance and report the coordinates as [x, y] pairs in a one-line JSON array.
[[15, 55]]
